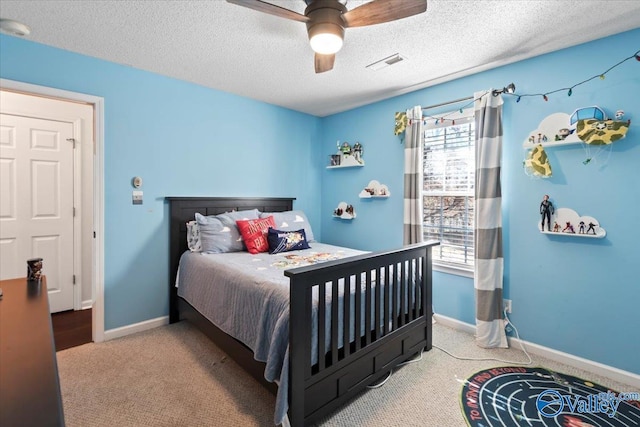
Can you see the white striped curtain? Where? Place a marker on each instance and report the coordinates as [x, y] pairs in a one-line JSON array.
[[413, 181], [489, 262]]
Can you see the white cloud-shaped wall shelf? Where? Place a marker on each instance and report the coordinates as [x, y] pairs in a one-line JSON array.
[[375, 190], [549, 127], [344, 211], [567, 222]]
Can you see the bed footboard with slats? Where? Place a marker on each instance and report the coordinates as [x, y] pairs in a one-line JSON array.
[[375, 313]]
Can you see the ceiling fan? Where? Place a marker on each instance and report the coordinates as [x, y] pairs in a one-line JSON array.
[[327, 19]]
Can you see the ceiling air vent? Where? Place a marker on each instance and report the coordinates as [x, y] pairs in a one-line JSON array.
[[390, 60]]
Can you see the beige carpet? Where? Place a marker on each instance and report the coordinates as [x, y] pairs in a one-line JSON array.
[[174, 376]]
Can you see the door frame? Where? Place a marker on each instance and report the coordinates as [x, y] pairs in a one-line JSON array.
[[97, 267]]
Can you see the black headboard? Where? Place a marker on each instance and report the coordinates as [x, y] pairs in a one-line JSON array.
[[183, 210]]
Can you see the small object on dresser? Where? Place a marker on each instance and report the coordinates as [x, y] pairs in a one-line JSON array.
[[34, 269]]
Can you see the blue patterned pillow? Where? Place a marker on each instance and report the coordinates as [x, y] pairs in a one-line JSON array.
[[291, 221], [215, 237], [219, 233], [229, 219], [285, 241]]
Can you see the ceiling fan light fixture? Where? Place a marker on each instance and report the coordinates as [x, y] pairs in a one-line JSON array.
[[326, 38], [14, 28], [326, 43]]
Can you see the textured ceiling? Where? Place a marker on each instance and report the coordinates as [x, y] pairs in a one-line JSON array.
[[231, 48]]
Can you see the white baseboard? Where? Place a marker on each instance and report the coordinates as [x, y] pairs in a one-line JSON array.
[[597, 368], [85, 305], [455, 324], [136, 327]]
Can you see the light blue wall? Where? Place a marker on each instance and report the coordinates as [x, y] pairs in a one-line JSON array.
[[577, 296], [574, 295], [182, 139]]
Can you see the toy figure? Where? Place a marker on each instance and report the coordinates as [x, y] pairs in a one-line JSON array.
[[357, 151], [346, 149], [556, 227], [569, 227], [546, 210], [563, 133], [591, 228], [338, 212], [349, 209], [619, 115], [581, 228]]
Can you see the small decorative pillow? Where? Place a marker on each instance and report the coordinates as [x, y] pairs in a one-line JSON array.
[[193, 237], [291, 221], [285, 241], [254, 233]]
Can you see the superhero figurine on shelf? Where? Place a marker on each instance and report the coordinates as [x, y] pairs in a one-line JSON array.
[[546, 210], [569, 228], [357, 152], [556, 227], [591, 228], [581, 228]]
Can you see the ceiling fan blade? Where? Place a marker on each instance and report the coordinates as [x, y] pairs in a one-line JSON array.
[[324, 62], [379, 11], [272, 9]]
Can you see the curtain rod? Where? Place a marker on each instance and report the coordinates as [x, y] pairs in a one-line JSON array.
[[455, 101]]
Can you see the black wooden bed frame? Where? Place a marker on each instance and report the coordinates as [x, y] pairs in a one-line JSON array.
[[315, 390]]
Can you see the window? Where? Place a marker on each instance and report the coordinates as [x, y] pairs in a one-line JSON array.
[[448, 192]]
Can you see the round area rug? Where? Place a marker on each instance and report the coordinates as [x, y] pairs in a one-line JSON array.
[[518, 396]]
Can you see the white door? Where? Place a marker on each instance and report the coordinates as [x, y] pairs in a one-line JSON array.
[[37, 200]]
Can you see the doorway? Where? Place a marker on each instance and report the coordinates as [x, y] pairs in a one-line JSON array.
[[39, 169], [81, 117]]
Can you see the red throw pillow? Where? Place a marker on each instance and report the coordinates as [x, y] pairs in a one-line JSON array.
[[254, 233]]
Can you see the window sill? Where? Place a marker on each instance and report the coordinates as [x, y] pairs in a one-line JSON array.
[[452, 269]]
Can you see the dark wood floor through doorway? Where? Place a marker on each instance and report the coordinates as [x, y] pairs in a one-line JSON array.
[[71, 328]]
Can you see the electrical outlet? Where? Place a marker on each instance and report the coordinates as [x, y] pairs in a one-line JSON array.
[[507, 305]]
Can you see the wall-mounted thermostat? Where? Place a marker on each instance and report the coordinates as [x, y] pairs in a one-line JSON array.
[[137, 197], [136, 182]]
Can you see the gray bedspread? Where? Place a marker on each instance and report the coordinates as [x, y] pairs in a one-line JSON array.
[[247, 296]]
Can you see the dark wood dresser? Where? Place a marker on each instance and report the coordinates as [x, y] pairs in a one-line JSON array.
[[29, 386]]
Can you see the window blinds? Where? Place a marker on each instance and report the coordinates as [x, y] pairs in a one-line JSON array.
[[448, 192]]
